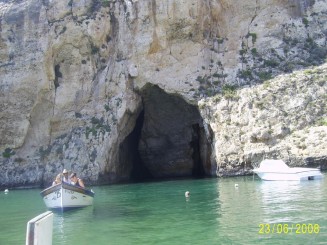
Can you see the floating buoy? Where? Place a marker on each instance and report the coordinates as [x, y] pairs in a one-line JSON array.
[[236, 185], [187, 194], [6, 191]]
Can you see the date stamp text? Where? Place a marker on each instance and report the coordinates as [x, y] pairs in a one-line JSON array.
[[284, 228]]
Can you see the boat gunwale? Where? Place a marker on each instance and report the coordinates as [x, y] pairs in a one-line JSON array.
[[66, 186]]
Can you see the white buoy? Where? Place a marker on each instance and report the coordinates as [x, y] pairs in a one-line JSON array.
[[187, 194], [236, 185], [6, 191]]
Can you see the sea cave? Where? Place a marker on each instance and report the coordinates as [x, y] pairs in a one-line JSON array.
[[169, 139]]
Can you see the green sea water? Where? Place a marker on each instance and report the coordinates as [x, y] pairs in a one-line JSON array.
[[239, 210]]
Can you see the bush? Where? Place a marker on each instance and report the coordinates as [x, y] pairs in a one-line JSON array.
[[264, 75], [229, 91], [8, 153], [322, 122], [271, 63], [254, 51], [94, 49], [245, 74], [105, 3], [253, 35]]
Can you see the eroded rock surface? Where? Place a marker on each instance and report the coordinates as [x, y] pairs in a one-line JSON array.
[[75, 78]]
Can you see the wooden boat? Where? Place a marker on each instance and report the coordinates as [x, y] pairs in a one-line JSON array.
[[277, 170], [66, 196]]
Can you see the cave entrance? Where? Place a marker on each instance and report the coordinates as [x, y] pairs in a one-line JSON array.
[[169, 139]]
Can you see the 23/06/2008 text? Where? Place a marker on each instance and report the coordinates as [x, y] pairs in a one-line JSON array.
[[284, 228]]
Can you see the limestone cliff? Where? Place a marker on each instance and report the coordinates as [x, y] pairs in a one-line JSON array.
[[120, 90]]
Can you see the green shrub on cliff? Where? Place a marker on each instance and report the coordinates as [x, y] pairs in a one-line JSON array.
[[106, 3], [322, 122], [229, 91], [8, 153]]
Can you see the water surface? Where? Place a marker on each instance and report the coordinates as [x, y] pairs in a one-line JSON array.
[[158, 213]]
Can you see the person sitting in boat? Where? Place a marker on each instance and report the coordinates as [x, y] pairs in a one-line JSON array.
[[62, 177], [76, 181]]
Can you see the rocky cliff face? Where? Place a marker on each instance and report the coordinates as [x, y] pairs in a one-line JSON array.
[[120, 90]]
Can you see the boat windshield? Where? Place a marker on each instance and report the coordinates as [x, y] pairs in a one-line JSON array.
[[273, 164]]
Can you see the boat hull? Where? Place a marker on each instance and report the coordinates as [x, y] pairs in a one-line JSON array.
[[270, 169], [307, 175], [66, 196]]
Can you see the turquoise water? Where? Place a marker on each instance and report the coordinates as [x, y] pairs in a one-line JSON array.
[[158, 213]]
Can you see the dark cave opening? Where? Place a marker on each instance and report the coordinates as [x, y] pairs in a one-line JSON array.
[[139, 171], [129, 155], [168, 140], [198, 169]]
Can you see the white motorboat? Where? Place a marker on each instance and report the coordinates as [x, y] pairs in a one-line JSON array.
[[66, 196], [277, 170]]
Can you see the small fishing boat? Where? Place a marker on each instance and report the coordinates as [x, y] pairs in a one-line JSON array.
[[66, 196], [278, 170]]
